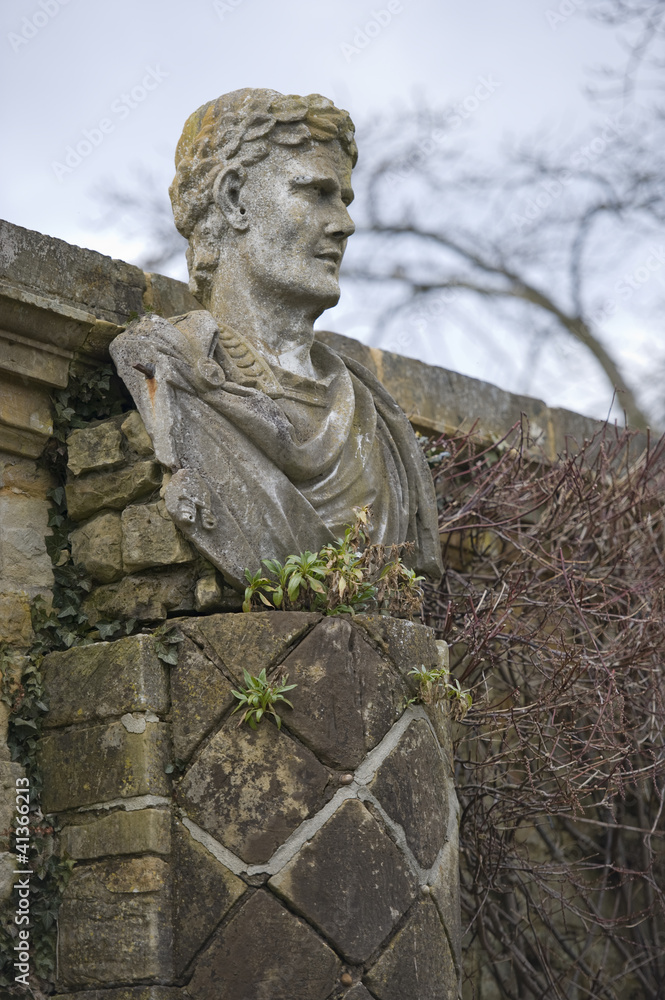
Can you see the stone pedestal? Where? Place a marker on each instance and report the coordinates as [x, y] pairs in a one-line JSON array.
[[314, 862]]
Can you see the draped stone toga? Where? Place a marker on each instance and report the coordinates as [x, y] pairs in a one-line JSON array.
[[266, 463]]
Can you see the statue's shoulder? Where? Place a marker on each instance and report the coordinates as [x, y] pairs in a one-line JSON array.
[[188, 337]]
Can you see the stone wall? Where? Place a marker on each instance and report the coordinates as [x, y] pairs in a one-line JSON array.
[[292, 865], [118, 717], [125, 541]]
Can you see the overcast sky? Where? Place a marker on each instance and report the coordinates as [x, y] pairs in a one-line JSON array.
[[118, 79]]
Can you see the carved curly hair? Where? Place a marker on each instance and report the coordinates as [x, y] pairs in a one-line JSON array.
[[239, 129]]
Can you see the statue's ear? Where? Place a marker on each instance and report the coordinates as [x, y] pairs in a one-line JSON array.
[[226, 192]]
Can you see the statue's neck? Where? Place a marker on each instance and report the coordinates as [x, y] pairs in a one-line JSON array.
[[283, 333]]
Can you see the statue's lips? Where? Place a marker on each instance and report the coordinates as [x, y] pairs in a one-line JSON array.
[[333, 256]]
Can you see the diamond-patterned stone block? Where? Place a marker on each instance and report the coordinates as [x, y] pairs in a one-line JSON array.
[[445, 891], [199, 695], [412, 786], [347, 696], [265, 953], [251, 641], [417, 965], [203, 892], [251, 789], [350, 881]]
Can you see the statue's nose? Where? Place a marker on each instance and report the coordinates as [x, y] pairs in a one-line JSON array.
[[342, 227]]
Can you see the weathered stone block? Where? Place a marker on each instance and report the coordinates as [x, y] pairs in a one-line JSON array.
[[105, 679], [137, 436], [146, 596], [407, 644], [9, 772], [347, 697], [412, 786], [417, 964], [128, 993], [445, 890], [251, 641], [150, 538], [199, 695], [15, 622], [204, 892], [350, 881], [23, 477], [94, 448], [102, 763], [24, 561], [8, 866], [97, 547], [115, 923], [111, 489], [251, 788], [265, 953], [136, 832], [208, 595]]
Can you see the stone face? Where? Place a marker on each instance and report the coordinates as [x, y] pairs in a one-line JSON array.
[[408, 645], [252, 641], [412, 786], [115, 923], [121, 832], [357, 992], [251, 789], [417, 964], [137, 436], [147, 596], [94, 448], [199, 695], [9, 772], [8, 866], [97, 547], [23, 477], [350, 881], [445, 890], [265, 953], [24, 561], [102, 763], [150, 538], [15, 622], [105, 679], [347, 696], [113, 489], [204, 891], [127, 993]]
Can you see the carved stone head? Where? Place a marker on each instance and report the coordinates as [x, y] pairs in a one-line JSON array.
[[254, 169]]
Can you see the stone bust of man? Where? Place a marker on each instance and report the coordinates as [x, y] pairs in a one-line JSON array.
[[272, 438]]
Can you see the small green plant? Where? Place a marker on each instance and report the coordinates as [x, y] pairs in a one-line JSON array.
[[438, 686], [260, 696], [347, 576], [166, 644]]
